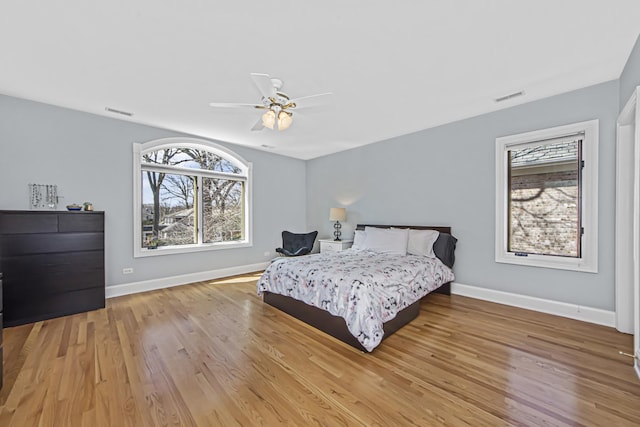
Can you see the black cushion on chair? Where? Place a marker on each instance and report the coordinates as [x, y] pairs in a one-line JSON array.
[[296, 244]]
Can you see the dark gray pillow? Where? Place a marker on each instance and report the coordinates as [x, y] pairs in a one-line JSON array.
[[445, 248]]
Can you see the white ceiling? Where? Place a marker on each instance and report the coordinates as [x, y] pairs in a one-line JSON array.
[[394, 67]]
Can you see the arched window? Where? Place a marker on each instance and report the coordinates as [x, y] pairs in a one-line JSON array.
[[189, 195]]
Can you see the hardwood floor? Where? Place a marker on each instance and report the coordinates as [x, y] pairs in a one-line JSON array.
[[213, 354]]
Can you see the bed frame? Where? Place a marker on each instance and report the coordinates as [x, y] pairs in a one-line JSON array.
[[335, 325]]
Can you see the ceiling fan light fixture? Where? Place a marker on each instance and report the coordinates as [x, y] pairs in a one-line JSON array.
[[276, 106], [285, 120], [269, 119]]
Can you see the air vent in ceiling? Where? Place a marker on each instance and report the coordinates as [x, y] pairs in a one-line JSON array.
[[510, 96], [113, 110]]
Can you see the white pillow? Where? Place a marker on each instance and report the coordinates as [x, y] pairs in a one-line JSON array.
[[421, 242], [386, 240], [359, 237]]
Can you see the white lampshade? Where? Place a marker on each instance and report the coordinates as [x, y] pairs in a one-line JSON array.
[[269, 119], [284, 120], [337, 214]]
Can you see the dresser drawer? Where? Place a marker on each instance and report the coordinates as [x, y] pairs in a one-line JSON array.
[[22, 244], [57, 263], [53, 306], [329, 247], [79, 222], [31, 276], [28, 223]]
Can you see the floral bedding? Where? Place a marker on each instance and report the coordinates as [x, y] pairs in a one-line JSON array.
[[365, 288]]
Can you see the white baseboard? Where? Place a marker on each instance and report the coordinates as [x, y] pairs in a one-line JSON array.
[[183, 279], [572, 311]]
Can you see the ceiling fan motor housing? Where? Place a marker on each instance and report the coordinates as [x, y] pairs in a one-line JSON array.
[[277, 83]]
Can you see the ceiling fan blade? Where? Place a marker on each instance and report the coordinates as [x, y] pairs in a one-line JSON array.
[[233, 105], [258, 126], [264, 85], [319, 100]]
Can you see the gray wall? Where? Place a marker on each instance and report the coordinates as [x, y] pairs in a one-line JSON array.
[[89, 157], [443, 175], [630, 77], [446, 176]]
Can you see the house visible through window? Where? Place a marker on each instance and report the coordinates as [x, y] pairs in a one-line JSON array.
[[546, 197], [193, 195]]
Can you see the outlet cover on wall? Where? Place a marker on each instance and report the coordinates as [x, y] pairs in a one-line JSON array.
[[127, 270]]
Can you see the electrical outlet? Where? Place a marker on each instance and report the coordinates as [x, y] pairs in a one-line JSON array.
[[127, 270], [267, 253]]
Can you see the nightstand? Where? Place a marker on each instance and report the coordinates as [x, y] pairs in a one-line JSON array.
[[330, 245]]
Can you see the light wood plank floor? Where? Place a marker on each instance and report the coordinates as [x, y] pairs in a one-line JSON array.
[[213, 354]]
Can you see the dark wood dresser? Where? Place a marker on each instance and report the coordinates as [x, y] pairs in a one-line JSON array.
[[1, 352], [52, 264]]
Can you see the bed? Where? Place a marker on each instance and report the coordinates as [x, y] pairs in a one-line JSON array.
[[359, 296]]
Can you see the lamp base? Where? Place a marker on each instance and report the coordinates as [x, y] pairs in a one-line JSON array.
[[337, 233]]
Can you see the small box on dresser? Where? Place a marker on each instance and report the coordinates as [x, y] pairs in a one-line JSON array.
[[52, 264]]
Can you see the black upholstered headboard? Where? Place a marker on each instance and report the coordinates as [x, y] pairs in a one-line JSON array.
[[442, 229]]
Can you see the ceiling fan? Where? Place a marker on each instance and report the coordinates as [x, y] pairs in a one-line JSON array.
[[278, 106]]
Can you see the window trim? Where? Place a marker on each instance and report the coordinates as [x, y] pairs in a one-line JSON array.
[[588, 262], [246, 170]]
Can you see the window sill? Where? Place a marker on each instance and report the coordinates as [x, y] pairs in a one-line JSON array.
[[548, 261], [184, 249]]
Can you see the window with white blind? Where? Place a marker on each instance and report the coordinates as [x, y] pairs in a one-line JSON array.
[[546, 198]]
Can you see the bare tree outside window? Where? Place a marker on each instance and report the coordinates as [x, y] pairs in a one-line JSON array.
[[183, 205], [154, 182], [223, 207]]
